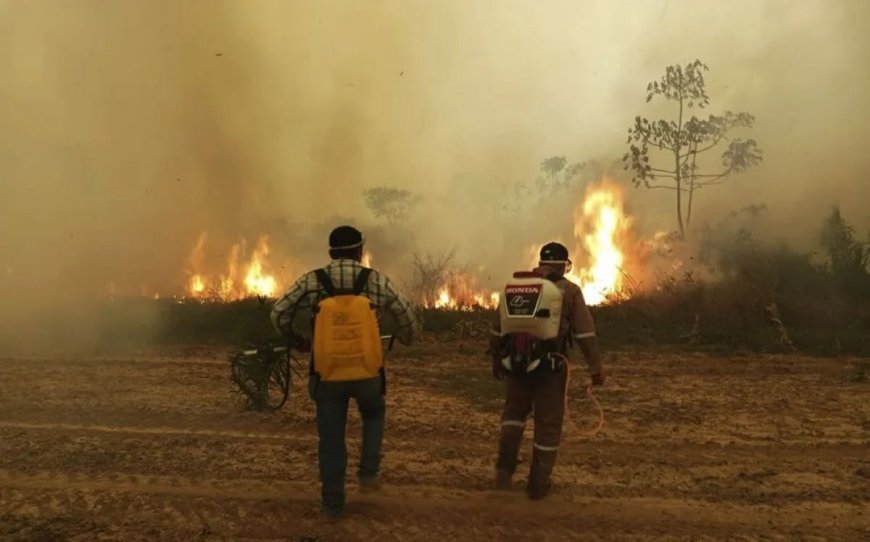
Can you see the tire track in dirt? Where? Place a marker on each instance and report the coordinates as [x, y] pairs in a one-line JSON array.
[[157, 431], [147, 449], [115, 363], [737, 476], [410, 438], [452, 503]]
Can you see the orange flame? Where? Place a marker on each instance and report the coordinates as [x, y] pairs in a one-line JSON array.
[[600, 224], [256, 282], [196, 285], [460, 292], [600, 227], [444, 301], [240, 280]]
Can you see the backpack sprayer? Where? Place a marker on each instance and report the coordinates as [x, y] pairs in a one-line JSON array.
[[530, 317], [263, 373]]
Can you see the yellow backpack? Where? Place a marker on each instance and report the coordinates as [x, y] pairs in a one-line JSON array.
[[347, 339]]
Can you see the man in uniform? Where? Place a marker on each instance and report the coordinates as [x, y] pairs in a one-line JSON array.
[[544, 390], [292, 314]]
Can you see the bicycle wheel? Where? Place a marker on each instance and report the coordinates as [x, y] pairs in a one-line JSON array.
[[278, 384], [237, 363], [249, 375]]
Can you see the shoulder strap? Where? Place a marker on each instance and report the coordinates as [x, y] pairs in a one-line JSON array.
[[361, 280], [325, 281]]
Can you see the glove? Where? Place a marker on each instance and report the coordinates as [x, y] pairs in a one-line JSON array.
[[598, 379]]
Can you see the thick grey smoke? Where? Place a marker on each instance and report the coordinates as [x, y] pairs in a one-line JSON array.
[[127, 128]]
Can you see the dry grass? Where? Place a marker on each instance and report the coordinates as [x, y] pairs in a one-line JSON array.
[[153, 446]]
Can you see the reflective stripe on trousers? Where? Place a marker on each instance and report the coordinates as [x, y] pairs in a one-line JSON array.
[[545, 392], [513, 423]]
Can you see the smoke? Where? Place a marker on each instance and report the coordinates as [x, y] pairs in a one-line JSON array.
[[128, 128]]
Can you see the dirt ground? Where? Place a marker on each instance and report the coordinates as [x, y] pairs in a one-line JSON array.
[[153, 446]]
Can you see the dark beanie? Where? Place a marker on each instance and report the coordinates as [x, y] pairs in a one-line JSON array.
[[345, 237], [554, 252]]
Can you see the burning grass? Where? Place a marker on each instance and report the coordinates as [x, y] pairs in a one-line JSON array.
[[687, 314], [246, 273], [763, 298], [440, 284], [724, 290]]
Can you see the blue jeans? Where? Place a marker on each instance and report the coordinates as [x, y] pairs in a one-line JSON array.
[[332, 400]]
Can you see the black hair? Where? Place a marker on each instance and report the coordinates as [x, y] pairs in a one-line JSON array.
[[346, 253], [345, 237]]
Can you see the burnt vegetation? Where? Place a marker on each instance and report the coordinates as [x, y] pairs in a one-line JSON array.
[[734, 290], [742, 294], [748, 294]]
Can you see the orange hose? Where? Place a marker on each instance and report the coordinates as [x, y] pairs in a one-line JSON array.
[[576, 430]]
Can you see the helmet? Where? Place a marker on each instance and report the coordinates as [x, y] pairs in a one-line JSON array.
[[555, 254]]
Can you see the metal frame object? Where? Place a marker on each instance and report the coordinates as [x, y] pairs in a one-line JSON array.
[[264, 375]]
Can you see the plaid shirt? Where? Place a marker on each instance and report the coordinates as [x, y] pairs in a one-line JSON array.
[[293, 311]]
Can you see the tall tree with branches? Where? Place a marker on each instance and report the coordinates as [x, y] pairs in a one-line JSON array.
[[665, 154], [392, 204], [552, 167], [561, 175]]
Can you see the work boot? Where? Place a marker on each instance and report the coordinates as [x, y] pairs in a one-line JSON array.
[[538, 492], [509, 449], [369, 484], [503, 480], [539, 475], [332, 513]]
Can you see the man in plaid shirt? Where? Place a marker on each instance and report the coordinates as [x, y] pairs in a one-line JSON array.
[[292, 314]]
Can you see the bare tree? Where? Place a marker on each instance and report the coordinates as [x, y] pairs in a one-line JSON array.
[[430, 272], [552, 167], [679, 143], [561, 175]]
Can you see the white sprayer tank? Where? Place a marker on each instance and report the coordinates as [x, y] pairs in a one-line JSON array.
[[531, 304]]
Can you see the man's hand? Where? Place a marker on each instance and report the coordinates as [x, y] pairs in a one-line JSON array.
[[598, 379]]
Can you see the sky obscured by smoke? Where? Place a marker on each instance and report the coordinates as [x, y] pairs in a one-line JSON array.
[[129, 127]]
